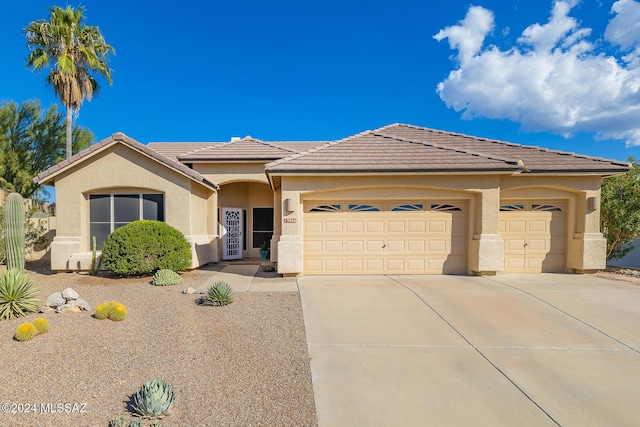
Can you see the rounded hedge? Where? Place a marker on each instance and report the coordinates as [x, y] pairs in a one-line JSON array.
[[143, 247]]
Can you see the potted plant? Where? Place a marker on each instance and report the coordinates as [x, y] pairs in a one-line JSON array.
[[264, 250]]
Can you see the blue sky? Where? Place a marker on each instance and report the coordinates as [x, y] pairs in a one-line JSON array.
[[563, 75]]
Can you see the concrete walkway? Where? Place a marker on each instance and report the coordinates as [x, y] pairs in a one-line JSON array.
[[242, 278], [508, 350]]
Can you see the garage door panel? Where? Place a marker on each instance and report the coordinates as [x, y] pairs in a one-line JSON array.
[[333, 226], [333, 265], [313, 246], [395, 265], [437, 246], [416, 226], [419, 241], [313, 227], [352, 246], [396, 245], [539, 226], [374, 265], [354, 266], [437, 226], [374, 226], [354, 226], [538, 245], [416, 245], [396, 227], [333, 246], [517, 226]]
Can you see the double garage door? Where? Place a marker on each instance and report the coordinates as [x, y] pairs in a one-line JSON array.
[[370, 237], [425, 237]]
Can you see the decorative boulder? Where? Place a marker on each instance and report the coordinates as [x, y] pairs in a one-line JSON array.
[[55, 300], [70, 294]]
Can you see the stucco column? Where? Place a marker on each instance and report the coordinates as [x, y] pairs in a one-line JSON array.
[[290, 258], [588, 248], [486, 249], [277, 224]]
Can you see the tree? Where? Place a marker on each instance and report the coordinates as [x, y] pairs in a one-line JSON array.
[[74, 53], [620, 211], [32, 140]]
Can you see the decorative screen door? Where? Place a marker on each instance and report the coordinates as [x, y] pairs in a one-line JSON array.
[[232, 221]]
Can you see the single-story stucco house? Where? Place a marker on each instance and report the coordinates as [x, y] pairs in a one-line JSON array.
[[401, 199]]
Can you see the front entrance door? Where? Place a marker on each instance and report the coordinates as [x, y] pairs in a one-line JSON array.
[[232, 242]]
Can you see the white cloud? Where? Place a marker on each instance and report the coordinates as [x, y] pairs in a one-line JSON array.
[[553, 79]]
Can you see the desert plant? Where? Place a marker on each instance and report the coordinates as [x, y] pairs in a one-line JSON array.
[[117, 422], [134, 423], [218, 294], [154, 399], [269, 268], [156, 424], [18, 294], [117, 311], [26, 331], [14, 231], [41, 325], [166, 277], [94, 267], [102, 311], [34, 233], [143, 247]]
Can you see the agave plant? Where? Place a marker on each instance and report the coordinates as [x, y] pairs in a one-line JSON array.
[[18, 295], [117, 422], [154, 399], [218, 294], [166, 277]]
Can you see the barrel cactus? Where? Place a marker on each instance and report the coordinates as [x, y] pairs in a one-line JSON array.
[[14, 231], [154, 399], [26, 331], [41, 325], [166, 277], [218, 294], [117, 311], [102, 311]]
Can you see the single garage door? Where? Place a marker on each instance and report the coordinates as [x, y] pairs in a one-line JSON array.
[[370, 237], [535, 235]]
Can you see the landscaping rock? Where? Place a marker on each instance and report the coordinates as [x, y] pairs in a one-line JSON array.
[[200, 291], [67, 301], [70, 294], [188, 291], [82, 303], [68, 308], [46, 310], [55, 299]]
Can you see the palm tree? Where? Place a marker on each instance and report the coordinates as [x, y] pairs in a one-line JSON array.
[[73, 52]]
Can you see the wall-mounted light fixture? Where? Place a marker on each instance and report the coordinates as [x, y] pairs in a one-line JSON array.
[[592, 203], [288, 205]]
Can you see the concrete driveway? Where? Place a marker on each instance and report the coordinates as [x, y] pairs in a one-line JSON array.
[[507, 350]]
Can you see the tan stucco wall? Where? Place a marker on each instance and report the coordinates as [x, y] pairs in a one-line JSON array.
[[119, 169], [224, 173], [483, 194]]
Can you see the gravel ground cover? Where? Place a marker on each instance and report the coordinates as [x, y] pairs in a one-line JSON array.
[[244, 364]]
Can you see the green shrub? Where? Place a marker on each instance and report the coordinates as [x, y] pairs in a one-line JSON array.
[[218, 294], [18, 294], [143, 247], [166, 278]]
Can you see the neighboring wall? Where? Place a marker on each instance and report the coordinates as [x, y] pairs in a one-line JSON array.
[[630, 260]]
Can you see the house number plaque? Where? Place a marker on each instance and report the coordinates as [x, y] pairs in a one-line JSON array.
[[290, 220]]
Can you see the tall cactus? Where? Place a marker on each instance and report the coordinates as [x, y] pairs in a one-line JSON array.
[[14, 231]]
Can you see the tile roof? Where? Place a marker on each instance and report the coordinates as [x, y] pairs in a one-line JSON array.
[[242, 149], [535, 159], [120, 137], [173, 149], [406, 148]]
